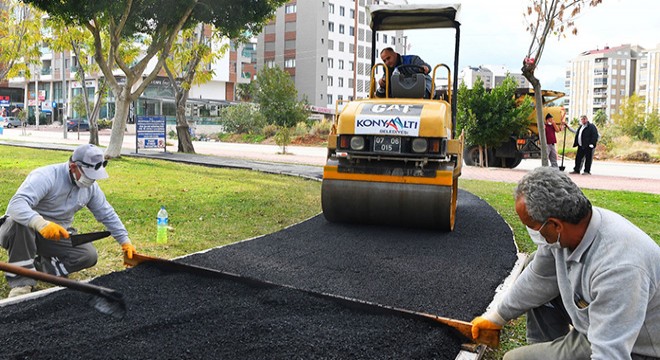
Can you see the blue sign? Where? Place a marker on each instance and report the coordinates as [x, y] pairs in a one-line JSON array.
[[54, 105], [150, 132]]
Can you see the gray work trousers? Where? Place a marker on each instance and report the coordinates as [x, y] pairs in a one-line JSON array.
[[27, 248], [552, 155], [551, 336]]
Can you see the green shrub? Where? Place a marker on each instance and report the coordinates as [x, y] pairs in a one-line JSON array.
[[269, 130], [243, 118], [321, 128], [301, 129]]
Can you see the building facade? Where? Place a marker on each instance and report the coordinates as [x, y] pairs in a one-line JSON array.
[[326, 46], [648, 78], [600, 79], [491, 75]]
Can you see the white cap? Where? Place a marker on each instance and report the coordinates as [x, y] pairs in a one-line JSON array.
[[91, 161]]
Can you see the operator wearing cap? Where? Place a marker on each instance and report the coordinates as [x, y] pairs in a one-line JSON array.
[[37, 226]]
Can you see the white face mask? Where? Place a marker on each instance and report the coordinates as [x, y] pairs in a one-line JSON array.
[[538, 239], [84, 181]]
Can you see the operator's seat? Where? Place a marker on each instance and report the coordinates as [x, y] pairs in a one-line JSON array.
[[408, 86]]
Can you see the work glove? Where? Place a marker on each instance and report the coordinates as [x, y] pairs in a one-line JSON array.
[[591, 146], [48, 229], [129, 249], [482, 323]]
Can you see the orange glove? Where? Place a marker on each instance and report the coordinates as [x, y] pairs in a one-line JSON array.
[[129, 249], [483, 323], [53, 231]]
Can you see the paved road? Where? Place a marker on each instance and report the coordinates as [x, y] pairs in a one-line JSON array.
[[608, 175]]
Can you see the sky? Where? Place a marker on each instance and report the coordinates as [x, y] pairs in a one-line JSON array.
[[493, 33]]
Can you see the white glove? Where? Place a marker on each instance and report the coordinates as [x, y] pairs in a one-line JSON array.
[[591, 146]]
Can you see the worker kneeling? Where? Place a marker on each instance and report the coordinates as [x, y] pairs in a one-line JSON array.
[[37, 226], [591, 290]]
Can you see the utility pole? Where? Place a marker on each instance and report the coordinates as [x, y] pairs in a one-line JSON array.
[[64, 127]]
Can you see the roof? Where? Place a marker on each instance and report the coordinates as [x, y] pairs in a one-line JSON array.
[[416, 16]]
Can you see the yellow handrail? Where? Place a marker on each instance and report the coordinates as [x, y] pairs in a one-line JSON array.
[[448, 81]]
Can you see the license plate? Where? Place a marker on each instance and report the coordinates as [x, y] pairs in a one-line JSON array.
[[387, 144]]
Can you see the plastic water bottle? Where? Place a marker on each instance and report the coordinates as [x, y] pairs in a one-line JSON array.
[[162, 222]]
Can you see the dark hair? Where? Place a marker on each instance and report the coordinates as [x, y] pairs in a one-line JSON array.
[[387, 49], [548, 116]]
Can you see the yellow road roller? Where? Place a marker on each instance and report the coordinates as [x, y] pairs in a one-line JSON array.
[[395, 160]]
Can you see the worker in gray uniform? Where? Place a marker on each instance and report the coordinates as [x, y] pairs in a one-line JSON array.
[[37, 225], [592, 288]]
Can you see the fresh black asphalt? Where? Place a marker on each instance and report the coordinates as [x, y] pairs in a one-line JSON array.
[[182, 316]]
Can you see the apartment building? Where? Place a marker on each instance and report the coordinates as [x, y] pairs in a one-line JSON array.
[[325, 45], [600, 79], [648, 78], [491, 75]]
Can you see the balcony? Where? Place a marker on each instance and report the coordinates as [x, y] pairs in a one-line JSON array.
[[45, 71]]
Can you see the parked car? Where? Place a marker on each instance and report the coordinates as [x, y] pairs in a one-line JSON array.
[[10, 122], [73, 124]]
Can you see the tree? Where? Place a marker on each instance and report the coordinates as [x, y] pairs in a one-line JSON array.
[[278, 102], [188, 66], [600, 118], [246, 91], [546, 17], [77, 40], [154, 24], [20, 39], [633, 120], [490, 118]]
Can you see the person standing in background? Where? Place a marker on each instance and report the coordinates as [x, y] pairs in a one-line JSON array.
[[551, 139], [586, 137]]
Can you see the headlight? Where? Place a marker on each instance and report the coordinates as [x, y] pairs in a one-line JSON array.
[[357, 143], [419, 145]]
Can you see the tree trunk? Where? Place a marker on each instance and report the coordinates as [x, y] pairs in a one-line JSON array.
[[182, 128], [122, 103], [528, 73]]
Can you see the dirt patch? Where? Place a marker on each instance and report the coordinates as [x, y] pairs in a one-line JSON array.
[[309, 139]]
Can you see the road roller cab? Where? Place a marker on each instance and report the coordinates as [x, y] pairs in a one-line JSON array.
[[395, 160]]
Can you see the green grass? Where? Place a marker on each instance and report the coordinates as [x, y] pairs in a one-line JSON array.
[[210, 207]]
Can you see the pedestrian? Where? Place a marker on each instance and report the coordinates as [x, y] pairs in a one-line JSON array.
[[392, 60], [586, 137], [592, 288], [37, 226], [551, 129]]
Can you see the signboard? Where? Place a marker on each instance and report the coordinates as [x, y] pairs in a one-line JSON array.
[[395, 119], [4, 100], [150, 132]]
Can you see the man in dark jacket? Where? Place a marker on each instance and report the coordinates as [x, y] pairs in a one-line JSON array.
[[392, 59], [586, 137]]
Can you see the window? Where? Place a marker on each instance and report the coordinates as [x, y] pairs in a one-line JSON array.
[[351, 31], [331, 8], [270, 63], [290, 63], [341, 64], [330, 63], [385, 38], [342, 11], [340, 97], [290, 9], [322, 40], [350, 83], [352, 13], [331, 26], [351, 65], [330, 99], [341, 46], [341, 28], [331, 44], [330, 81], [341, 82]]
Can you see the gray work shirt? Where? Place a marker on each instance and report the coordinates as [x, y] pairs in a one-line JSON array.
[[50, 192], [610, 286]]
